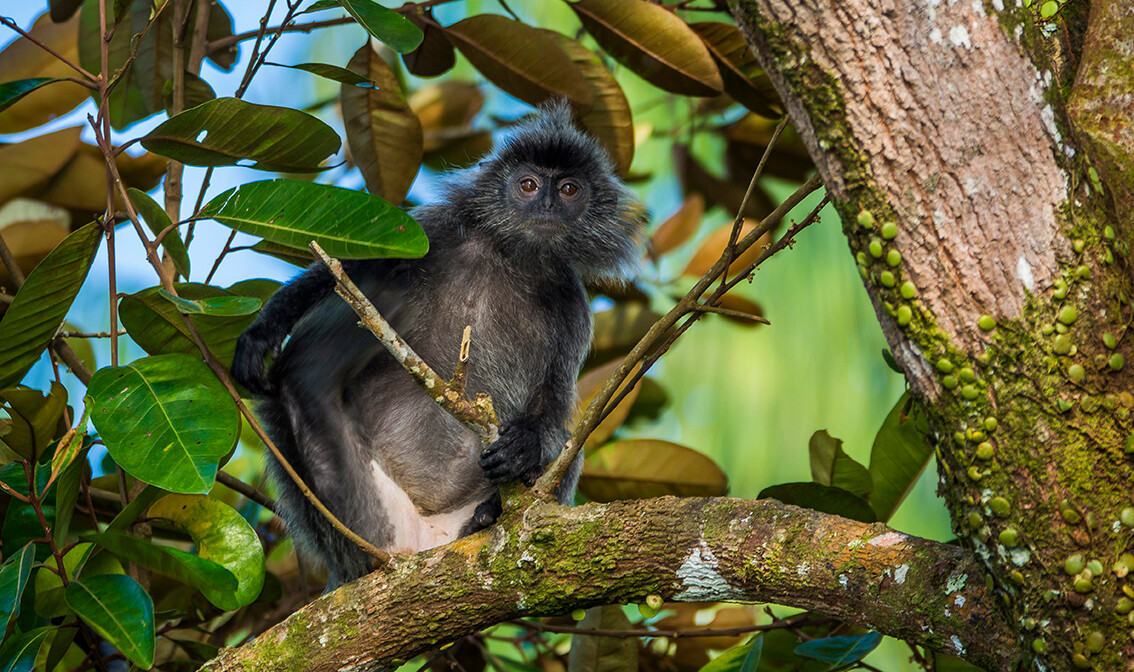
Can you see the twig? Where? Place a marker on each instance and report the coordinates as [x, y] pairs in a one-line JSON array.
[[221, 256], [87, 334], [736, 223], [71, 359], [727, 312], [10, 264], [233, 483], [71, 64], [478, 414], [226, 42], [778, 624], [6, 298]]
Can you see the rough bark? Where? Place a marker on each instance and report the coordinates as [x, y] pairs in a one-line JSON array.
[[549, 559], [943, 132]]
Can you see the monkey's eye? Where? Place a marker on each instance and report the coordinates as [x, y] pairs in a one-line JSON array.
[[569, 189], [528, 185]]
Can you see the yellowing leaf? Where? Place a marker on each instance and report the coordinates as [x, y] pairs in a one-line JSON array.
[[715, 244], [679, 227], [642, 468], [23, 60]]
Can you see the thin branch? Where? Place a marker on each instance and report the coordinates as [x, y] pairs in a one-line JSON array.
[[226, 42], [478, 414], [233, 483], [727, 312], [10, 263], [220, 257], [71, 64]]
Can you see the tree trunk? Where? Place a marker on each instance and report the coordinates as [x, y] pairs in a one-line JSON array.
[[980, 157]]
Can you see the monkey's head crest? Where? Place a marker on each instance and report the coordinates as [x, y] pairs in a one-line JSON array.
[[549, 191]]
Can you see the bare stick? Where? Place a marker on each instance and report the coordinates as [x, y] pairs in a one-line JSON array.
[[233, 483], [478, 414], [71, 64], [10, 263], [728, 312]]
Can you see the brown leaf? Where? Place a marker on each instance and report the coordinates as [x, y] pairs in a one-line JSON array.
[[680, 227], [726, 193], [30, 229], [28, 166], [747, 139], [743, 78], [644, 468], [23, 60], [446, 106], [523, 61], [384, 134], [588, 386], [654, 43], [608, 118], [455, 148], [619, 329], [714, 245], [742, 305], [435, 55]]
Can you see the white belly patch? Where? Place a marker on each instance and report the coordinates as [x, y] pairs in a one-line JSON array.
[[414, 531]]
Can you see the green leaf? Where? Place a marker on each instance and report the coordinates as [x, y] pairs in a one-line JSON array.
[[119, 610], [591, 654], [830, 465], [67, 485], [225, 131], [348, 224], [332, 72], [19, 652], [10, 92], [166, 420], [33, 418], [389, 27], [157, 326], [223, 536], [222, 305], [823, 498], [158, 221], [743, 658], [840, 651], [898, 457], [13, 577], [81, 560], [190, 569], [41, 304]]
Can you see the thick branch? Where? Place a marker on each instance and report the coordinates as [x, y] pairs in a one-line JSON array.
[[550, 559]]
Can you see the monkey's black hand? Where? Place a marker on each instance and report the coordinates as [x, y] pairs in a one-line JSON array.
[[516, 454], [248, 367]]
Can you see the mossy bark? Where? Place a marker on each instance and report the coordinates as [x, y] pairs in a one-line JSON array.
[[545, 559], [944, 133]]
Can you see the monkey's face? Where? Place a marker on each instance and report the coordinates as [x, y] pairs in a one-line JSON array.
[[547, 202]]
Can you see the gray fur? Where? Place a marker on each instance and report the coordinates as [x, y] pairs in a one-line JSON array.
[[503, 260]]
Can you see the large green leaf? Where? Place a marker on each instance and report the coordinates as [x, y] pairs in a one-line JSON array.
[[43, 302], [119, 610], [158, 221], [348, 224], [830, 465], [389, 27], [824, 498], [13, 577], [226, 131], [166, 420], [19, 652], [898, 457], [190, 569], [222, 536], [156, 324], [33, 418]]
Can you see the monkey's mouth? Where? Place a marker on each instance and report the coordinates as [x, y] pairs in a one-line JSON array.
[[545, 225]]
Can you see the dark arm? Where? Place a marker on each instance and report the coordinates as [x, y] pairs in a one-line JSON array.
[[274, 323]]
